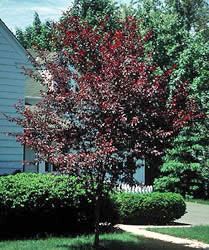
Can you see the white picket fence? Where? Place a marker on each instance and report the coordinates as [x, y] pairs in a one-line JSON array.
[[135, 189]]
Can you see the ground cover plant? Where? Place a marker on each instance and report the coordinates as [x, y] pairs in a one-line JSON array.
[[200, 233]]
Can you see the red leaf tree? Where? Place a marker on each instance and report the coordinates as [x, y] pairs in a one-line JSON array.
[[105, 104]]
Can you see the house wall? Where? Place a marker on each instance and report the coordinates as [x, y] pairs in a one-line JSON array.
[[12, 84]]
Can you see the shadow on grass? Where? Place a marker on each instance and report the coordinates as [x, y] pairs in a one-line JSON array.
[[140, 244], [174, 223], [104, 245], [38, 235]]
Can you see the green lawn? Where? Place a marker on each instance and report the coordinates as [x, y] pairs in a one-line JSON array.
[[114, 241], [200, 233], [200, 201]]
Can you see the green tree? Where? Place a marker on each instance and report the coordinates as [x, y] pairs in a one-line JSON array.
[[195, 14], [170, 37], [21, 37], [173, 43], [193, 65], [186, 166], [94, 11], [37, 23], [39, 34], [36, 36]]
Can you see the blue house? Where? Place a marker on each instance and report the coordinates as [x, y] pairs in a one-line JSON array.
[[12, 88]]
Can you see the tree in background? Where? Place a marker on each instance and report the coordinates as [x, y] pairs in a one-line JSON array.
[[105, 104], [39, 35], [174, 43], [94, 11], [169, 39], [186, 165], [194, 14], [36, 36]]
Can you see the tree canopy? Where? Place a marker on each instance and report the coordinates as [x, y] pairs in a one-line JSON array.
[[179, 36], [36, 36]]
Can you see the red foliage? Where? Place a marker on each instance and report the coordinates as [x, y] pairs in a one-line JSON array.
[[121, 106]]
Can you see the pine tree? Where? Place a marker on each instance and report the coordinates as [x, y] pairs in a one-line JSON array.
[[186, 166]]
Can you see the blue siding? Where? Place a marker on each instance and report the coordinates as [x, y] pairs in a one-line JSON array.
[[9, 142], [12, 94], [12, 87], [10, 55], [8, 100], [6, 86]]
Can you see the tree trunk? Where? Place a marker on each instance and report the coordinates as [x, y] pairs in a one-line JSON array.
[[97, 219]]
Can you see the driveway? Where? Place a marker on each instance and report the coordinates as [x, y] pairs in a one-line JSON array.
[[197, 214]]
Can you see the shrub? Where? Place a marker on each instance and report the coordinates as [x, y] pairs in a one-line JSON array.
[[50, 203], [47, 202], [43, 202], [153, 208]]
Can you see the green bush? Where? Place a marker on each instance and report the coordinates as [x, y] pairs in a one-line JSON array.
[[50, 203], [153, 208], [47, 202], [43, 202], [31, 192]]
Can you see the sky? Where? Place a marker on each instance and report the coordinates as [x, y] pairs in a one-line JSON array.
[[19, 13]]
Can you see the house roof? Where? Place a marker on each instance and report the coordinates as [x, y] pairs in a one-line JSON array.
[[15, 42]]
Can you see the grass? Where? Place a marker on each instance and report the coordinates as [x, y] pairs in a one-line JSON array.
[[200, 201], [113, 241], [200, 233]]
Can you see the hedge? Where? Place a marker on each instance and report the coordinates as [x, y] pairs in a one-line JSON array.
[[46, 202], [153, 208]]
